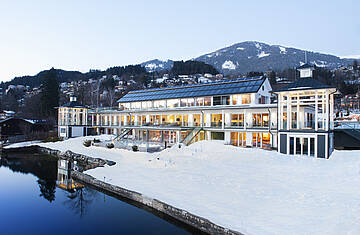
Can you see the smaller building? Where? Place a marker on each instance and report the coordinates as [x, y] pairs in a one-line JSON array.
[[20, 129], [72, 119], [305, 116]]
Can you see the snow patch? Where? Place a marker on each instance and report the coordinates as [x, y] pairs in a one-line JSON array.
[[240, 48], [320, 63], [263, 54], [153, 66], [228, 65], [282, 50], [350, 57], [258, 46]]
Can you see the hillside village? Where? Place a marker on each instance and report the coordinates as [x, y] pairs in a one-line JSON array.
[[104, 88]]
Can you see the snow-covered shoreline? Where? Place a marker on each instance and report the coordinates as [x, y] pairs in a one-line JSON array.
[[252, 191]]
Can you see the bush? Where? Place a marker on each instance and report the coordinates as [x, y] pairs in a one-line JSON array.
[[87, 143], [52, 139], [135, 148], [96, 140], [110, 146]]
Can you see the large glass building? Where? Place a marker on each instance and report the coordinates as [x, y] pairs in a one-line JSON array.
[[238, 111]]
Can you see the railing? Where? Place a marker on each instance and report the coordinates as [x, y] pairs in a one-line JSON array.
[[235, 124], [187, 140], [122, 135], [346, 125], [216, 124]]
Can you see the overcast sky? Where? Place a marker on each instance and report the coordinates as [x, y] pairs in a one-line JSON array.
[[82, 35]]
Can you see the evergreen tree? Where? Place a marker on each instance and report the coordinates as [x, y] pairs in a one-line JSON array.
[[49, 96], [272, 77], [355, 65]]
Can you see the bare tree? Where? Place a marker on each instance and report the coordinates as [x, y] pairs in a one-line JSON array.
[[110, 96]]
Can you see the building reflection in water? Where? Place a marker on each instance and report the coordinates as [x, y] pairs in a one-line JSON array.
[[79, 197], [64, 180]]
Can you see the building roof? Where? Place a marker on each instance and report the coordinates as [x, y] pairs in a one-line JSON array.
[[224, 87], [73, 104], [305, 66], [304, 84]]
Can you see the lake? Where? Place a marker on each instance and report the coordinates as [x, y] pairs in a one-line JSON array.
[[38, 196]]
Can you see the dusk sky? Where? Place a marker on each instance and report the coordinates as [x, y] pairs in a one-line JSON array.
[[82, 35]]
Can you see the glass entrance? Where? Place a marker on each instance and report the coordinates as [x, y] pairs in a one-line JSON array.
[[302, 146]]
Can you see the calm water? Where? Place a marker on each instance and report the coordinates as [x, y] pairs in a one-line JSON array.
[[37, 197]]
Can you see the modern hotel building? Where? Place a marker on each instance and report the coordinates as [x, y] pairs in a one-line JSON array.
[[242, 112]]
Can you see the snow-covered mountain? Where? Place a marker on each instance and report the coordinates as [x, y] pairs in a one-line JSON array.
[[256, 56], [157, 65], [244, 57]]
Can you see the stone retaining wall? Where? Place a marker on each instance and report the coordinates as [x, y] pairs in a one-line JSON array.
[[181, 215], [69, 155]]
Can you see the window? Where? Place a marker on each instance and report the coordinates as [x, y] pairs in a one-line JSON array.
[[260, 119], [146, 104], [221, 100], [237, 119], [159, 104], [207, 101], [238, 138], [246, 99], [200, 101], [262, 100], [216, 120], [187, 102], [136, 105], [62, 130], [173, 103], [236, 99], [125, 105]]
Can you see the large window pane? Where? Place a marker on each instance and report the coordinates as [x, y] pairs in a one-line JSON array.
[[246, 99], [173, 103], [217, 100], [207, 101]]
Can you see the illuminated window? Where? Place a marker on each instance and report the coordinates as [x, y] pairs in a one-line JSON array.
[[173, 103], [207, 101], [146, 104], [246, 99]]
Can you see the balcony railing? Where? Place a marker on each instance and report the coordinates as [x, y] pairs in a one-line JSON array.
[[216, 124]]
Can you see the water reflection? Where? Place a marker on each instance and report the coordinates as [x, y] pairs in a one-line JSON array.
[[64, 180], [43, 167], [79, 198], [85, 210]]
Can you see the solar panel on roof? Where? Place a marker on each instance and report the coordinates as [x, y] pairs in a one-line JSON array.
[[234, 86]]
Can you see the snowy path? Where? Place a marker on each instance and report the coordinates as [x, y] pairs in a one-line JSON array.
[[252, 191]]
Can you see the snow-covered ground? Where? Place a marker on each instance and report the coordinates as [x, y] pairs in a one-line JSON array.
[[22, 144], [252, 191]]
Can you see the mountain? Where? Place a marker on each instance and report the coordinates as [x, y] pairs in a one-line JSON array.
[[134, 71], [250, 56], [35, 81], [157, 65]]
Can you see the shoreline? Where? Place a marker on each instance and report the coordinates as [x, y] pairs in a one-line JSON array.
[[183, 216]]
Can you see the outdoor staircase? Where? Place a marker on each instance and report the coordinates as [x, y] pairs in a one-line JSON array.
[[122, 135], [347, 137], [353, 133], [187, 140]]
